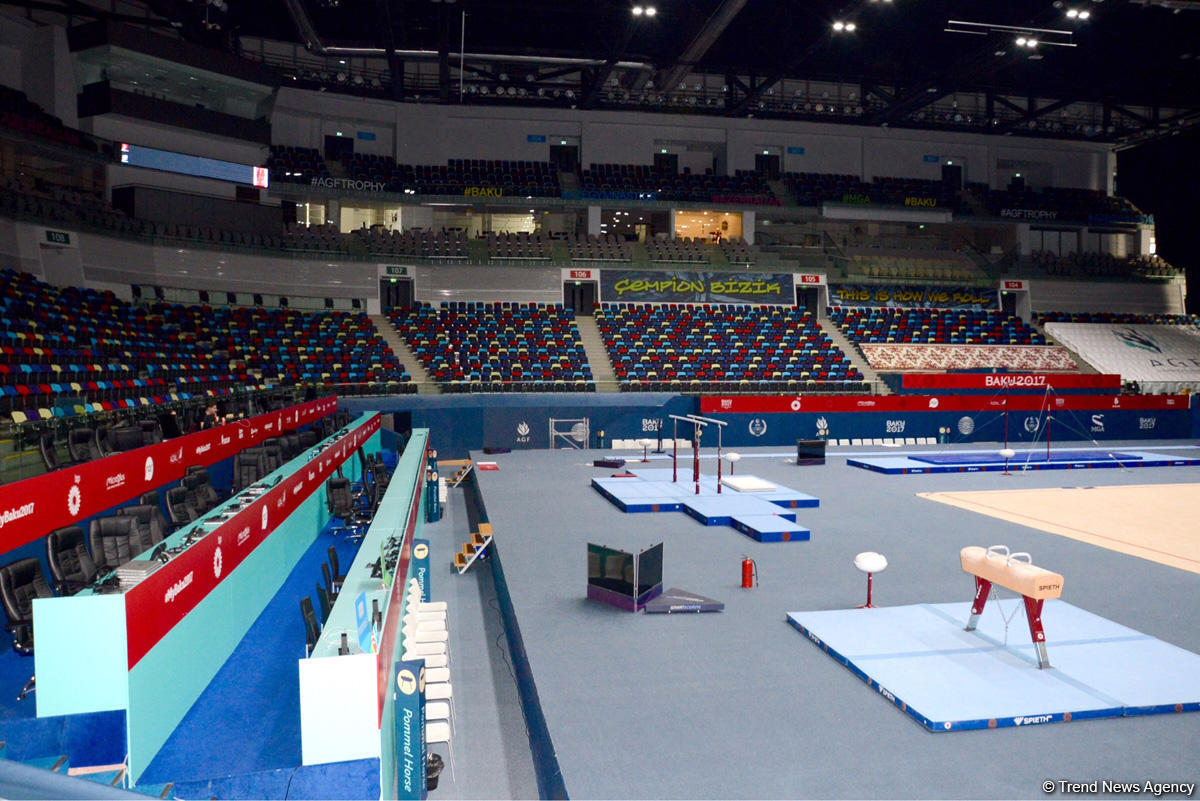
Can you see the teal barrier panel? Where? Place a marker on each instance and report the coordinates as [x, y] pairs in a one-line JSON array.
[[154, 648], [165, 683]]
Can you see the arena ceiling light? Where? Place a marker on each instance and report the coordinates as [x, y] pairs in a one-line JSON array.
[[1078, 13], [647, 11], [1039, 36], [848, 27]]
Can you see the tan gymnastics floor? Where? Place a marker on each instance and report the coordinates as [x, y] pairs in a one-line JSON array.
[[1153, 521]]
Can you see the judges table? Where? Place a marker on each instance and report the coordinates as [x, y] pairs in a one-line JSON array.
[[151, 649], [345, 699]]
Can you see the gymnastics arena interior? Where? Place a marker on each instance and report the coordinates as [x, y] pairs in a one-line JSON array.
[[407, 399]]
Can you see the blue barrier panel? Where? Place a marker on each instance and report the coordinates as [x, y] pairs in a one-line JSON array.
[[408, 695]]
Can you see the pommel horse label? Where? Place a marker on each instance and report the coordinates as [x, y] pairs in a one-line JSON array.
[[1016, 572]]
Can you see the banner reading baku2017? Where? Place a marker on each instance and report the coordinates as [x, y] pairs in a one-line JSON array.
[[646, 286], [912, 297]]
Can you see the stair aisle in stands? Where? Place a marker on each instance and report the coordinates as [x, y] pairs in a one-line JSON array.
[[425, 385], [602, 372], [854, 354]]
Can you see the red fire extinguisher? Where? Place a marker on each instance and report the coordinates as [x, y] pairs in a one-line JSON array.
[[749, 573]]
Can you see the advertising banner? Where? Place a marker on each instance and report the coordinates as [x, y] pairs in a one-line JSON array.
[[912, 297], [408, 691], [943, 425], [954, 403], [646, 286], [156, 604], [37, 505], [1011, 381]]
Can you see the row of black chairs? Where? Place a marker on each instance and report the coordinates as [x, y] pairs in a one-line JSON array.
[[252, 464], [86, 443], [326, 594], [77, 560]]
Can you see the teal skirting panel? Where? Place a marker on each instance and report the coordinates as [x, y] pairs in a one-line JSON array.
[[165, 683]]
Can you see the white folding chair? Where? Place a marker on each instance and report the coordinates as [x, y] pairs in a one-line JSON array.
[[440, 691], [424, 649], [439, 732], [436, 675], [428, 624], [417, 634], [431, 660]]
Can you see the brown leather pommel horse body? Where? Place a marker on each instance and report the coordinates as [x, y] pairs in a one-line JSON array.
[[1016, 572]]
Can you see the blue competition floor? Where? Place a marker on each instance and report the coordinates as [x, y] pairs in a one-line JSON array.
[[948, 679], [1027, 457], [763, 516], [991, 461]]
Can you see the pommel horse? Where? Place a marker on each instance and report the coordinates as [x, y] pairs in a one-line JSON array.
[[995, 565]]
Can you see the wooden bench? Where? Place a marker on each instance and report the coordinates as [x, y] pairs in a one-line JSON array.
[[1016, 572]]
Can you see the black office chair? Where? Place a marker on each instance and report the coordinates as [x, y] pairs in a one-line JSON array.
[[113, 542], [101, 443], [291, 446], [152, 432], [204, 487], [20, 582], [125, 438], [149, 525], [339, 578], [178, 509], [308, 438], [49, 451], [312, 630], [81, 444], [70, 563], [326, 603], [330, 587], [248, 468], [341, 506], [197, 499], [149, 498]]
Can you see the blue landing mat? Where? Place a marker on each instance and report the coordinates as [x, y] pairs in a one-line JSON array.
[[763, 516], [1026, 457], [770, 528], [920, 658], [988, 461]]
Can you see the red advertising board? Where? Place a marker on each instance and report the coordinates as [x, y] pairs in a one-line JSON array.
[[164, 598], [391, 623], [1055, 381], [31, 508], [759, 404]]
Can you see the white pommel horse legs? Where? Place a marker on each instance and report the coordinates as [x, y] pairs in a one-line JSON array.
[[1016, 572]]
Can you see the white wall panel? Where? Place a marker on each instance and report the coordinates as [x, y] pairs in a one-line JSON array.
[[441, 282]]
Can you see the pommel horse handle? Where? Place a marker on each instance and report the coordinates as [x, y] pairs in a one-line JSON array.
[[1016, 572]]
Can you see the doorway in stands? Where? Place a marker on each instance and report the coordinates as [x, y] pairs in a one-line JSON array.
[[565, 157], [580, 296], [395, 293]]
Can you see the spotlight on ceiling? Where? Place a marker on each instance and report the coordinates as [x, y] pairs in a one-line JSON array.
[[1078, 13], [646, 11]]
